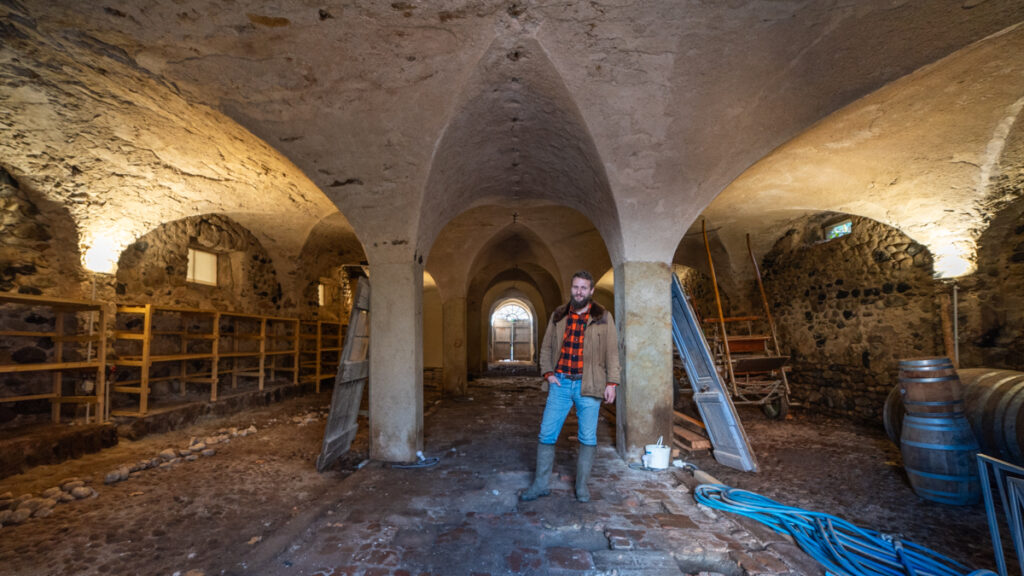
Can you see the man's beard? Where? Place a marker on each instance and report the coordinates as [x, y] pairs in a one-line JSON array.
[[578, 305]]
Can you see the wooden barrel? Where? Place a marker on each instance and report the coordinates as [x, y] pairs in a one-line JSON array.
[[994, 403], [930, 387], [892, 415], [939, 455]]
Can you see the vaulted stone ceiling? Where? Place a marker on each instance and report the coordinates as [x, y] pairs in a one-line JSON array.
[[406, 114]]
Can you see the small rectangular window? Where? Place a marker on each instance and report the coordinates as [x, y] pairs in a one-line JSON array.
[[838, 229], [202, 267], [320, 294]]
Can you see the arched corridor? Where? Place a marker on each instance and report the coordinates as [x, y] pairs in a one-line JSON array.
[[465, 156]]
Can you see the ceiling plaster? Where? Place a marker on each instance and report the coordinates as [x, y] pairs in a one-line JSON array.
[[400, 115]]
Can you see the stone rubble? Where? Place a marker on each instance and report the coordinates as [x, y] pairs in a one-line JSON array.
[[18, 510]]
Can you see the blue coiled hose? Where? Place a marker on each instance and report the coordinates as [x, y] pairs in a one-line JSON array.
[[841, 547]]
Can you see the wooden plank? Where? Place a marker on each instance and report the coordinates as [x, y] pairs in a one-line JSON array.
[[77, 400], [78, 338], [63, 303], [47, 366], [690, 420], [690, 440], [733, 319], [27, 333], [153, 359], [47, 396], [240, 354], [758, 364]]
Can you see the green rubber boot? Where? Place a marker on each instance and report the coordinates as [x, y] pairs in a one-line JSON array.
[[583, 463], [545, 461]]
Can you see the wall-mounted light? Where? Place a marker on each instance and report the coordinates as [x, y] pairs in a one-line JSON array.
[[102, 244], [953, 259], [102, 254]]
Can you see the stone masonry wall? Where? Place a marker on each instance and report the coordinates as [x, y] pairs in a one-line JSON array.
[[991, 300], [38, 255], [39, 252], [847, 310], [153, 269], [697, 286]]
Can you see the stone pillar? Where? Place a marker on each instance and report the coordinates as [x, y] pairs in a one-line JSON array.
[[396, 361], [455, 359], [643, 304]]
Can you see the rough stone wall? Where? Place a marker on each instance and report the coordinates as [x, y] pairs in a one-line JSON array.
[[991, 300], [153, 269], [697, 286], [39, 253], [847, 310], [39, 256]]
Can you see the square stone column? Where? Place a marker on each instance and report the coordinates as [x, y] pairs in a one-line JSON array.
[[643, 309], [396, 361], [455, 358]]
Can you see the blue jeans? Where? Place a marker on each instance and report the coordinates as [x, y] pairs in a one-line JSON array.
[[560, 400]]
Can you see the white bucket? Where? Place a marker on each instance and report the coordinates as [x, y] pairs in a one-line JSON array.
[[657, 456]]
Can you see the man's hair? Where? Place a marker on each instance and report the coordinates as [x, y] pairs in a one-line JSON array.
[[584, 275]]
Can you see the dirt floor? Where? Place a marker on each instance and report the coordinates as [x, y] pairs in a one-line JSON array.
[[257, 506], [855, 472]]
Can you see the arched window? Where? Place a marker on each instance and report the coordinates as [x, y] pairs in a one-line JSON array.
[[511, 313], [511, 333]]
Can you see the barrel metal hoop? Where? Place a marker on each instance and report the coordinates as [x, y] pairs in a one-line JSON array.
[[934, 476], [972, 447], [930, 379], [955, 498], [937, 361]]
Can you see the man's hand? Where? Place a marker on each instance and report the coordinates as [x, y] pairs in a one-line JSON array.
[[554, 380], [609, 394]]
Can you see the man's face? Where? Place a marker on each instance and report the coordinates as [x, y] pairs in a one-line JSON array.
[[581, 293]]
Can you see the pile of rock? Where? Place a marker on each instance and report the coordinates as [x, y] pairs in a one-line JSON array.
[[308, 418], [169, 457], [17, 510]]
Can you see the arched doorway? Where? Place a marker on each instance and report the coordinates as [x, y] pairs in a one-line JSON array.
[[512, 332]]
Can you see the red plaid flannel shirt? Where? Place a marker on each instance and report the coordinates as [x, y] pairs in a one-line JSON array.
[[570, 361]]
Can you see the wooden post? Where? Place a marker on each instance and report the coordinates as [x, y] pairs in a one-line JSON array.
[[263, 350], [58, 354], [102, 394], [319, 351], [946, 315], [767, 312], [147, 337], [295, 353], [215, 361], [183, 350], [718, 305]]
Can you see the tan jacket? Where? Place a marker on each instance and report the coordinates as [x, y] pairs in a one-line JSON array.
[[600, 348]]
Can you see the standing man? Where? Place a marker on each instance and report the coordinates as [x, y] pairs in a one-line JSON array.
[[580, 360]]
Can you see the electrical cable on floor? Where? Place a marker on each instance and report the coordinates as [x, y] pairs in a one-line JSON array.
[[841, 547], [641, 467], [423, 462]]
